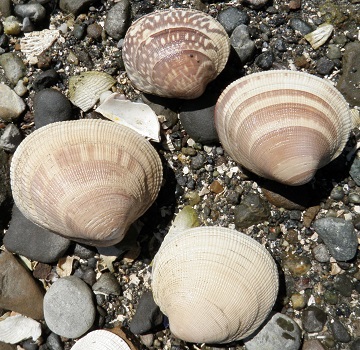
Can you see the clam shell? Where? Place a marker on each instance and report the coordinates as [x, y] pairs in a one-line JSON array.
[[175, 53], [283, 125], [85, 89], [87, 180], [101, 340], [216, 285], [319, 36]]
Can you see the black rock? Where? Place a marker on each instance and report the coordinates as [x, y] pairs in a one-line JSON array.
[[51, 106], [232, 17], [265, 60], [25, 238], [300, 26], [324, 66], [148, 315], [343, 285], [117, 19], [339, 331], [45, 79], [313, 319]]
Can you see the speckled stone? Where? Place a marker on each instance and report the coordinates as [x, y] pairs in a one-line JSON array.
[[339, 331], [117, 19], [14, 67], [343, 285], [241, 42], [299, 25], [232, 17], [313, 319], [107, 284], [320, 253]]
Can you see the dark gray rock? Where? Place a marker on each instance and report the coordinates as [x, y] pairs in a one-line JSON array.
[[75, 6], [232, 17], [348, 83], [321, 254], [51, 106], [242, 44], [339, 331], [300, 26], [45, 79], [69, 308], [84, 252], [313, 319], [343, 285], [117, 19], [324, 66], [280, 332], [14, 67], [339, 236], [27, 26], [25, 238], [313, 344], [148, 315], [355, 170], [54, 342], [198, 161], [280, 45], [265, 60], [107, 284], [333, 52], [34, 11], [11, 138], [355, 345]]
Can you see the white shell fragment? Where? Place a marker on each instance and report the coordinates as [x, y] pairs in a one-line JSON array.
[[137, 116], [85, 89], [16, 328], [35, 43], [319, 36], [101, 340], [216, 285]]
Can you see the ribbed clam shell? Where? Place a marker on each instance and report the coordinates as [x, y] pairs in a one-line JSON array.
[[283, 125], [175, 53], [101, 340], [87, 180], [216, 285]]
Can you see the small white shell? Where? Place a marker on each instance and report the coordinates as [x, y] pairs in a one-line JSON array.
[[101, 340], [216, 285], [137, 116], [319, 36], [85, 89]]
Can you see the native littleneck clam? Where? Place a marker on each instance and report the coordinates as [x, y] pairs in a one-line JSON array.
[[283, 125], [87, 180], [175, 53], [216, 285]]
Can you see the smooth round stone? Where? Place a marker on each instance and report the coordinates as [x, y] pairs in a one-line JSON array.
[[339, 236], [331, 297], [333, 52], [12, 26], [20, 88], [241, 42], [25, 238], [280, 332], [51, 106], [232, 17], [343, 285], [298, 265], [11, 105], [54, 342], [313, 319], [321, 254], [34, 11], [298, 301], [14, 67], [265, 60], [94, 31], [10, 138], [117, 19], [337, 193], [107, 284], [339, 331], [299, 25], [324, 66], [75, 6], [69, 309]]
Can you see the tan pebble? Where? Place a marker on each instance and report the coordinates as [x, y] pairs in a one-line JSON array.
[[298, 301], [298, 265], [216, 187]]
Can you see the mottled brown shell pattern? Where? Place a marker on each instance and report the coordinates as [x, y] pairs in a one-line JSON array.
[[175, 53], [283, 125], [87, 180]]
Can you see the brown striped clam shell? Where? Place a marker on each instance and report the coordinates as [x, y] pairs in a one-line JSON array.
[[87, 180], [283, 125], [175, 53]]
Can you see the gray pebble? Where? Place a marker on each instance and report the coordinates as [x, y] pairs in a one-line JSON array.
[[300, 26], [75, 6], [94, 31], [10, 138], [34, 11], [84, 252], [339, 236], [51, 106], [280, 332], [20, 88], [28, 344], [79, 31], [117, 19], [107, 284], [339, 331], [333, 52], [280, 45], [232, 17], [337, 193], [265, 60], [242, 44], [69, 309], [54, 342], [27, 25], [321, 253], [147, 316], [11, 105], [14, 67], [355, 170], [25, 238], [343, 285], [313, 319], [198, 161], [354, 198], [324, 66]]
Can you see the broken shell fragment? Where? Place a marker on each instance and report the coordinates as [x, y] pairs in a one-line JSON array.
[[137, 116], [85, 89], [319, 36], [87, 180]]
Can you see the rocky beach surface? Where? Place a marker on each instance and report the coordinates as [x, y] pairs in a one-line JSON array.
[[53, 291]]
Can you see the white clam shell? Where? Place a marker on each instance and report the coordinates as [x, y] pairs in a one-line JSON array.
[[87, 180], [319, 36], [137, 116], [101, 340], [283, 125], [85, 89], [175, 53], [216, 285]]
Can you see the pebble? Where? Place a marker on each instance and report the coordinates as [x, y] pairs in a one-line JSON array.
[[54, 342], [343, 285], [216, 187], [79, 30], [241, 42], [148, 315], [339, 331], [34, 11], [300, 26], [12, 26], [313, 319], [339, 236], [94, 31], [256, 3], [298, 265], [10, 138], [4, 41], [355, 345], [51, 106], [265, 60], [232, 17], [84, 252], [313, 344], [117, 19], [337, 193], [27, 25], [14, 67], [280, 332], [198, 161], [348, 81], [280, 45], [45, 79], [20, 88], [298, 301], [252, 210], [69, 309], [321, 253], [75, 6], [11, 105], [355, 170], [324, 66], [19, 291], [5, 8], [333, 52], [107, 284], [354, 198], [25, 238]]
